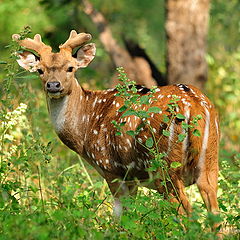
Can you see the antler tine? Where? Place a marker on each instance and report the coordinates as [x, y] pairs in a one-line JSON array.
[[75, 40], [35, 44]]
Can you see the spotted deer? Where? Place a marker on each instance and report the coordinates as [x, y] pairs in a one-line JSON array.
[[83, 121]]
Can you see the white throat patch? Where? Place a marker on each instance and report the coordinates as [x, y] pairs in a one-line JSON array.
[[57, 110]]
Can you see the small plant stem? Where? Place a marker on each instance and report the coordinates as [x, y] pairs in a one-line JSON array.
[[103, 189], [122, 182], [40, 187], [101, 203], [68, 168], [85, 170]]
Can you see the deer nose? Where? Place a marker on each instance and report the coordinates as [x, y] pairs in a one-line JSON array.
[[53, 87]]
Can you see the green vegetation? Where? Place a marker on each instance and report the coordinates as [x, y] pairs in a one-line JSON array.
[[47, 191]]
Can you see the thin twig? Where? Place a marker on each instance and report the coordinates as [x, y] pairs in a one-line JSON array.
[[40, 188], [85, 170]]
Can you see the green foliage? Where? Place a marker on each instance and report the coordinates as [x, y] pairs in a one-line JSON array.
[[45, 192], [18, 13]]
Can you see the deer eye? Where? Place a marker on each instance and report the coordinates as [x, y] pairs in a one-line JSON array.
[[70, 69], [40, 71]]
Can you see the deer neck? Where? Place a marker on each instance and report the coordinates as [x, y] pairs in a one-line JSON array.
[[65, 114]]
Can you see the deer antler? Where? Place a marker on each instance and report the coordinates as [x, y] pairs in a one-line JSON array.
[[75, 40], [35, 44]]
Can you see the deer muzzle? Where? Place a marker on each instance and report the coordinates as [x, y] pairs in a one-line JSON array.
[[54, 89]]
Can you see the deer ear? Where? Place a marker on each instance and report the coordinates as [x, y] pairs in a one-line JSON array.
[[85, 55], [28, 61]]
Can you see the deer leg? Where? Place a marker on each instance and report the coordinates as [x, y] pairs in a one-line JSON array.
[[175, 194], [181, 196], [133, 189], [174, 199], [207, 185], [119, 189]]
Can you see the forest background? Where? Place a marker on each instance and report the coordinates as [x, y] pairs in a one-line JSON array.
[[46, 190]]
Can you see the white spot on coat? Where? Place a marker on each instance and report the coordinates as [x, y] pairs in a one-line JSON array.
[[216, 124], [94, 102], [185, 141], [170, 138], [201, 161], [129, 142]]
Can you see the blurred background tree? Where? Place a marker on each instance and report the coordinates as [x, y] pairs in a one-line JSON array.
[[187, 28]]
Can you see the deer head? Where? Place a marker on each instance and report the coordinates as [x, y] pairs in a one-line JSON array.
[[56, 69]]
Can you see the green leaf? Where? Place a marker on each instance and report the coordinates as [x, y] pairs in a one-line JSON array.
[[152, 169], [175, 164], [128, 113], [131, 133], [166, 133], [149, 142], [122, 124], [3, 62], [143, 114], [185, 125], [166, 119], [123, 108], [29, 76], [154, 110], [134, 99], [115, 180], [118, 133], [199, 116], [144, 99], [181, 137], [114, 122], [196, 133], [180, 116]]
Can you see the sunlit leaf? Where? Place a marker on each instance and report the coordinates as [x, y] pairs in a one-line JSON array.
[[154, 110], [131, 133], [180, 116], [175, 164], [129, 112], [181, 137], [166, 119], [166, 133], [122, 124], [118, 133], [149, 142], [144, 99], [196, 133], [134, 99], [123, 108]]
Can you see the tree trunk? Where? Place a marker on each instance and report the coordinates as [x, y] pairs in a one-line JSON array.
[[136, 69], [186, 29]]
